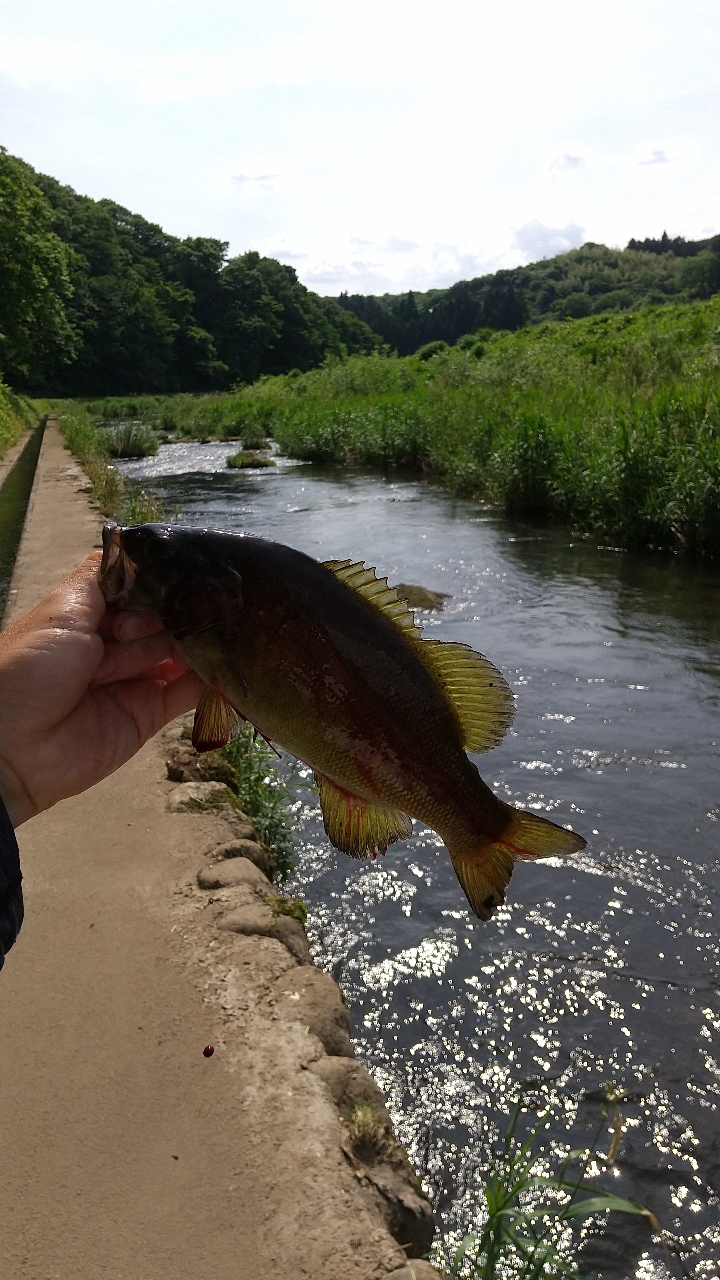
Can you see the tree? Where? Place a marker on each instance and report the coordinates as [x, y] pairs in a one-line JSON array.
[[36, 336], [96, 300]]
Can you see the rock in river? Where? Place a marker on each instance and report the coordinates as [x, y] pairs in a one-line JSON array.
[[421, 597]]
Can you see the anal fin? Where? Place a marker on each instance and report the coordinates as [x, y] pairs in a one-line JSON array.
[[216, 722], [356, 827]]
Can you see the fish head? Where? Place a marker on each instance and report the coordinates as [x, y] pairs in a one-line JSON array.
[[184, 575]]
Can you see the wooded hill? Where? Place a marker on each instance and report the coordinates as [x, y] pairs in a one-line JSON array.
[[584, 282], [95, 300]]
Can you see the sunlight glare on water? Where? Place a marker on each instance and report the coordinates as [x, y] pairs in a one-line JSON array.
[[602, 968]]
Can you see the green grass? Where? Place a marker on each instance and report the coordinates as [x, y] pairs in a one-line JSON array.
[[262, 794], [252, 461], [609, 423], [131, 440], [225, 416], [89, 445], [16, 414], [140, 507]]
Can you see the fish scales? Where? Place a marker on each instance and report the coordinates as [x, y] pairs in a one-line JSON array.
[[325, 661]]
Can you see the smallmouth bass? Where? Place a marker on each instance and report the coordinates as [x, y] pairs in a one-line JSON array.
[[328, 662]]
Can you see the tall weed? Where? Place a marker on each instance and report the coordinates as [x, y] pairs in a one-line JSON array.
[[88, 443], [262, 794], [529, 1209]]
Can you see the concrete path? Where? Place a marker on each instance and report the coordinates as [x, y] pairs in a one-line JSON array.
[[126, 1154]]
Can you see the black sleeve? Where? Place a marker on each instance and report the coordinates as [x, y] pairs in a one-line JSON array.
[[11, 899]]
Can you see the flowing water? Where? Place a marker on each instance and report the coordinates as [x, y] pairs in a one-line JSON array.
[[603, 969]]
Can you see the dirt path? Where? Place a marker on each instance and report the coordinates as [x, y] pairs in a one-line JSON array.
[[125, 1152]]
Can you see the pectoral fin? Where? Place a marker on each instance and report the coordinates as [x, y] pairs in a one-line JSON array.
[[216, 722], [356, 827]]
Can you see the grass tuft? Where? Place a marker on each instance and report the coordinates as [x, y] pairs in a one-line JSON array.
[[131, 440], [529, 1212], [293, 907], [368, 1133], [250, 460], [140, 507]]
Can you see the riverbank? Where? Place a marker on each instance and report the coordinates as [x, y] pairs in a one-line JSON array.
[[610, 424], [132, 1153]]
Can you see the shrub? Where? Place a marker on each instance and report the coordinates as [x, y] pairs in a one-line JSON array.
[[132, 440], [431, 349]]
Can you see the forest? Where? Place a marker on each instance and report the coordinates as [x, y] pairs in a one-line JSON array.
[[97, 301], [592, 280]]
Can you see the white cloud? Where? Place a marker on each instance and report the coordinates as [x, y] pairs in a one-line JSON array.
[[33, 60], [537, 241], [568, 160], [375, 147], [658, 157]]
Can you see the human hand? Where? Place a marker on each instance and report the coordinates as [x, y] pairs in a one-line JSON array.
[[81, 690]]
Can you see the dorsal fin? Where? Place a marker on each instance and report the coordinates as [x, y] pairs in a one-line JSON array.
[[479, 692], [476, 689], [376, 592]]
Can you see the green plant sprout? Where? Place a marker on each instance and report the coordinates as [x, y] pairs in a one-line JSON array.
[[521, 1239]]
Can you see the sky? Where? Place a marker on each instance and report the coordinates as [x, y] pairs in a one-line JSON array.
[[376, 146]]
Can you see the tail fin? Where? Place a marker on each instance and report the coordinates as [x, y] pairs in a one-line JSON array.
[[485, 872]]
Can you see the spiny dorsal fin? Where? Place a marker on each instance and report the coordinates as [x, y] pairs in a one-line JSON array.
[[376, 592], [477, 690], [356, 827]]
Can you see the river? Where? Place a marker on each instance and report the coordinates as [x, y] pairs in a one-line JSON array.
[[602, 969]]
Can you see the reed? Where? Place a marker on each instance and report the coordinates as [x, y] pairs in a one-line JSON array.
[[529, 1212], [131, 440], [610, 423]]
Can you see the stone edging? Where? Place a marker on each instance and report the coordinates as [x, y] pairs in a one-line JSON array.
[[233, 891]]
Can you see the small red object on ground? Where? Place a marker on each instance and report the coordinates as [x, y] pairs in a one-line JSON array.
[[208, 1051]]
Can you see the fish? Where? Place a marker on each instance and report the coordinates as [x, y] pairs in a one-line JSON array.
[[327, 661]]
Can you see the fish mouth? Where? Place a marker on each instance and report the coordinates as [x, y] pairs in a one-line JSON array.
[[117, 570]]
